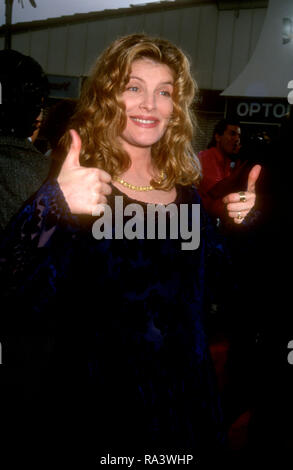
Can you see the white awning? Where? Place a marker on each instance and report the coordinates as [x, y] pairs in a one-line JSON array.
[[270, 68]]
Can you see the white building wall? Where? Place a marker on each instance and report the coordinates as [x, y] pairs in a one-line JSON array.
[[218, 42]]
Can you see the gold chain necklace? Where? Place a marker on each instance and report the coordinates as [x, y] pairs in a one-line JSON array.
[[138, 188]]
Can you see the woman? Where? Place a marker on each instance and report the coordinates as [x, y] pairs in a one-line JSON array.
[[115, 324]]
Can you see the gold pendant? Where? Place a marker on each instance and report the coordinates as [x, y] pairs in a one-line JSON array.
[[138, 188]]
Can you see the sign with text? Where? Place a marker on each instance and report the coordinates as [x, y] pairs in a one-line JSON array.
[[257, 110]]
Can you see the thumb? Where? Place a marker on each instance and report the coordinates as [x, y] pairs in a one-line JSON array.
[[252, 178], [72, 158]]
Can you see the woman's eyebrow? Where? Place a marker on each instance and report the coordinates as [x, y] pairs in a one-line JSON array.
[[142, 80], [136, 78]]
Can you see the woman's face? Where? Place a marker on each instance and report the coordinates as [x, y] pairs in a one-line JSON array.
[[148, 104]]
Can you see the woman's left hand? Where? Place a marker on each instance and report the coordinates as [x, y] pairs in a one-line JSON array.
[[239, 204]]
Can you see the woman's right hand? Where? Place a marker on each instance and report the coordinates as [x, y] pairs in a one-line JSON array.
[[83, 188]]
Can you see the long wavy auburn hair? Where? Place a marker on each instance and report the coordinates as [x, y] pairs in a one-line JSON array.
[[100, 117]]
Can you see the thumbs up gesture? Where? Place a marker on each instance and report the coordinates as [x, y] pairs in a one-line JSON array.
[[83, 188], [239, 204]]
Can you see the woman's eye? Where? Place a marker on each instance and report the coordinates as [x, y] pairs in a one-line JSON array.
[[132, 88], [165, 93]]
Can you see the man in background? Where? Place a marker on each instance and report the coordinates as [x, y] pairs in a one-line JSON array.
[[226, 174], [22, 167], [222, 169]]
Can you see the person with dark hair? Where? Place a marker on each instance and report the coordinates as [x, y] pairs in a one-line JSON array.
[[112, 313], [226, 176], [232, 135], [22, 167], [222, 172]]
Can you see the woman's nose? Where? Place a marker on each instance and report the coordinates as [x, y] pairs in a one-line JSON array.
[[148, 101]]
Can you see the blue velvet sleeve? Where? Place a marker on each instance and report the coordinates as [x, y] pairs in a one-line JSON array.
[[30, 253]]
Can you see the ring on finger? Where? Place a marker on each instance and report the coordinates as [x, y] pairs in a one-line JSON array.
[[239, 216], [242, 196]]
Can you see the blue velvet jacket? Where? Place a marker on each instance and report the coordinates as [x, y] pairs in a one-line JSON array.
[[104, 340]]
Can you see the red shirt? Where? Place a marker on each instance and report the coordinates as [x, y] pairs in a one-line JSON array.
[[215, 168]]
